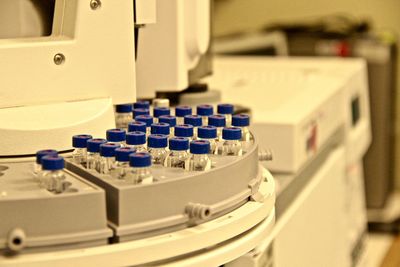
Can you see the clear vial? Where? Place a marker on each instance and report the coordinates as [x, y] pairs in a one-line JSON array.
[[243, 121], [160, 111], [37, 166], [53, 178], [123, 115], [194, 120], [137, 141], [226, 110], [219, 121], [140, 111], [79, 142], [171, 120], [107, 157], [161, 102], [116, 136], [140, 172], [184, 130], [199, 159], [121, 166], [209, 133], [178, 154], [137, 126], [149, 120], [205, 111], [93, 153], [181, 112], [231, 145], [157, 148], [160, 128], [142, 104]]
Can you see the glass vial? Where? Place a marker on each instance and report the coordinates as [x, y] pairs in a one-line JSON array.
[[157, 148], [136, 140], [79, 142], [107, 157], [93, 153], [123, 115], [140, 169], [178, 154], [199, 160], [53, 176]]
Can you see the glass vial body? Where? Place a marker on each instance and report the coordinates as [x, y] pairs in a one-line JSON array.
[[199, 160], [93, 153], [231, 145], [107, 157], [157, 147], [140, 172], [178, 154], [53, 178], [53, 181]]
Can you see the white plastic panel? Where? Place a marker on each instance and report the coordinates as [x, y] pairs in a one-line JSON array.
[[98, 50], [313, 231]]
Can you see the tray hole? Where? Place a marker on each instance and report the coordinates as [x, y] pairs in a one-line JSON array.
[[17, 241]]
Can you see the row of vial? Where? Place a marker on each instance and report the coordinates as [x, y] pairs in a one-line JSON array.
[[182, 115], [128, 156], [116, 155]]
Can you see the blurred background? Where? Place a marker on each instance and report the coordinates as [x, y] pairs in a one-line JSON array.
[[366, 29], [345, 28]]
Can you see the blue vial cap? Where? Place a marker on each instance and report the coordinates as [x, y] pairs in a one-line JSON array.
[[179, 143], [184, 130], [225, 109], [207, 132], [157, 141], [116, 135], [142, 104], [200, 147], [146, 119], [194, 120], [205, 110], [93, 145], [171, 120], [160, 111], [217, 120], [122, 153], [182, 111], [80, 140], [52, 163], [137, 126], [135, 138], [140, 160], [160, 128], [47, 152], [140, 111], [108, 149], [124, 108], [241, 120], [231, 133]]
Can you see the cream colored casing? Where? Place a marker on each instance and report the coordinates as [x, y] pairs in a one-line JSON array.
[[174, 45], [98, 71], [294, 99]]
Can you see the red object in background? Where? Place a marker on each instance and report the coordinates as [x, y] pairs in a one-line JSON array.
[[312, 140], [343, 49]]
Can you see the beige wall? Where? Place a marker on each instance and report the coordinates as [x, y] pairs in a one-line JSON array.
[[248, 15], [234, 15]]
